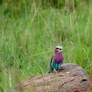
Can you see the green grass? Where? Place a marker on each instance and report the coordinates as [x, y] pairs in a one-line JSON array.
[[28, 39]]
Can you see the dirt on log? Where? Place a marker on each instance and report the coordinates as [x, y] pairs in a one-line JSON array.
[[69, 78]]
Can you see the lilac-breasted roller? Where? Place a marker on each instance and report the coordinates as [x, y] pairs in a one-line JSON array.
[[57, 59]]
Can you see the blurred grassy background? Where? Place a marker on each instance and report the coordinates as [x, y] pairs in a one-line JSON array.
[[30, 30]]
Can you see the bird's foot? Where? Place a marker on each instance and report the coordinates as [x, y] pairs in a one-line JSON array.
[[55, 71]]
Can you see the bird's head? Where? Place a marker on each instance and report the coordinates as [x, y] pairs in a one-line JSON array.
[[58, 49]]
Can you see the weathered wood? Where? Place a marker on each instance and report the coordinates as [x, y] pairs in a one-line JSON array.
[[70, 78]]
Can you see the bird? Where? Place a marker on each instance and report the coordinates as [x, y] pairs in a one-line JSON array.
[[57, 59]]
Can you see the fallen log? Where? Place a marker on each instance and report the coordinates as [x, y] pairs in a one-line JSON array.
[[69, 78]]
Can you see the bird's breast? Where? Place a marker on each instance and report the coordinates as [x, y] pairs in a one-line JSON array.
[[58, 58]]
